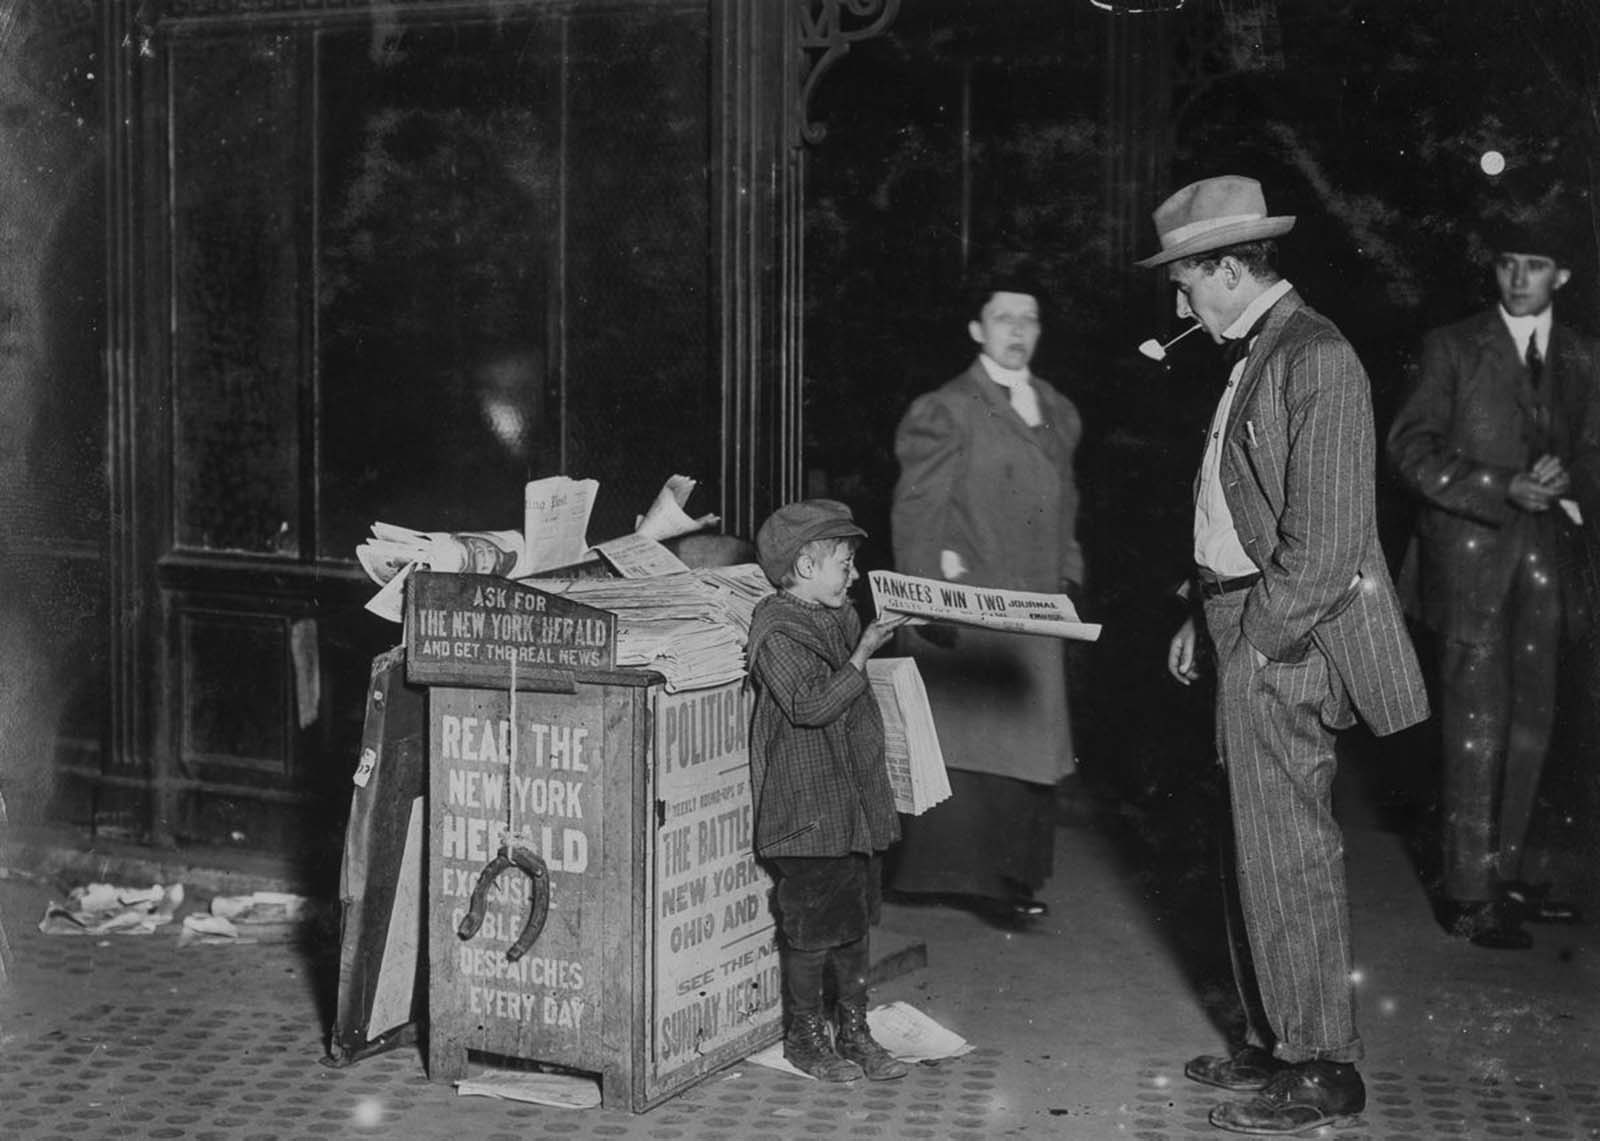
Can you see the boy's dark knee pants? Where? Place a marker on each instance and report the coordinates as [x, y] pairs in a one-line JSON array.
[[825, 901]]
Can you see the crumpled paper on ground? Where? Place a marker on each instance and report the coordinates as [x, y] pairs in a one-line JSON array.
[[899, 1028], [107, 909], [260, 917]]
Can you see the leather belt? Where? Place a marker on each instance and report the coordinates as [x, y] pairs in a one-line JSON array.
[[1211, 586]]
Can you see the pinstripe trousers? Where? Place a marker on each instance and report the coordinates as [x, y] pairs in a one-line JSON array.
[[1288, 849]]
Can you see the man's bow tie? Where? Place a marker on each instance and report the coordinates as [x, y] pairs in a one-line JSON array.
[[1236, 349]]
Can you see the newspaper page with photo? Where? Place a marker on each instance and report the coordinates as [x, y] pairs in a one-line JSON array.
[[1016, 611]]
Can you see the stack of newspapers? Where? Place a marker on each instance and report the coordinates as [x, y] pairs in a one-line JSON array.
[[911, 744], [690, 627]]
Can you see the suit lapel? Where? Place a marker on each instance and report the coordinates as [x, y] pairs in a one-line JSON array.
[[1568, 385], [1255, 364], [1495, 343]]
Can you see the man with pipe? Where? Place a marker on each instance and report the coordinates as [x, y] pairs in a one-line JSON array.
[[1308, 635]]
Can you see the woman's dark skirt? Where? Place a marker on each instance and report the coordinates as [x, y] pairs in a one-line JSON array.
[[994, 836]]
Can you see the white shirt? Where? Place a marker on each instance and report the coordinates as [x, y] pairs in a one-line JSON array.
[[1216, 542], [1024, 397], [1524, 327]]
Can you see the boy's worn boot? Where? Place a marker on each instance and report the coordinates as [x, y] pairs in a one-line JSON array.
[[807, 1045], [855, 1040]]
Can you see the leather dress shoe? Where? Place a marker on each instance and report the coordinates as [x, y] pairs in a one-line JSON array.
[[1493, 926], [1011, 913], [1533, 904], [1246, 1070], [1298, 1099], [1027, 907]]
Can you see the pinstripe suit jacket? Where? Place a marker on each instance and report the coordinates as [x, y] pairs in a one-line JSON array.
[[1298, 465]]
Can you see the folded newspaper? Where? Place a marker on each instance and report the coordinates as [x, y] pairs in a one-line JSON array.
[[1016, 611], [911, 742]]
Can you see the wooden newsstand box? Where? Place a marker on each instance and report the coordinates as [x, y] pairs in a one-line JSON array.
[[627, 812]]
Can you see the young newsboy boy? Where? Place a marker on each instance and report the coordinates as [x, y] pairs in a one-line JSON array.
[[823, 807]]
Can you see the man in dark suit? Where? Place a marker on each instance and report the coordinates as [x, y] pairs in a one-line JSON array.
[[1498, 441], [1307, 633]]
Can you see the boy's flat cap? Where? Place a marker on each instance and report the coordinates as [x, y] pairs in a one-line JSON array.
[[793, 526]]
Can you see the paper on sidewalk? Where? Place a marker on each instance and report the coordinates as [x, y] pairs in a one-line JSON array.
[[105, 909], [1016, 611], [900, 1028], [565, 1091], [260, 917]]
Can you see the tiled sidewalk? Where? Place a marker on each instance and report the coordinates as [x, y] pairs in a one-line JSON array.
[[1080, 1027]]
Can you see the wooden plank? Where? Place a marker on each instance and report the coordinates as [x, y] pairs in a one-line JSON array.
[[555, 796], [381, 876], [716, 990], [622, 1004]]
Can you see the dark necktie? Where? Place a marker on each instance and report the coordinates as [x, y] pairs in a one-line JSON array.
[[1538, 412], [1234, 351]]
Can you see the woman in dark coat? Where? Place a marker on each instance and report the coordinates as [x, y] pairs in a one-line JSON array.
[[986, 497]]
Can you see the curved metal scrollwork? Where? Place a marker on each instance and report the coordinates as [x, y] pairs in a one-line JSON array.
[[824, 40]]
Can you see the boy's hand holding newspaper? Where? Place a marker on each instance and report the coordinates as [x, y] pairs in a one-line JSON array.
[[876, 636]]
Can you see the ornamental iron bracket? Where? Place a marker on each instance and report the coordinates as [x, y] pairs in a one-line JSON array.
[[824, 40]]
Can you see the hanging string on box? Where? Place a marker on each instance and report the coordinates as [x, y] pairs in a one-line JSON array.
[[516, 851]]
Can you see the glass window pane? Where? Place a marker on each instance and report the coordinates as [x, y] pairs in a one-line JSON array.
[[441, 160], [642, 393], [237, 371]]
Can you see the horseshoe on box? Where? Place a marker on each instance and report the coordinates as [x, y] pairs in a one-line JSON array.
[[532, 865]]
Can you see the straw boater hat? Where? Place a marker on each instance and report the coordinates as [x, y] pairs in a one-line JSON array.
[[1213, 213]]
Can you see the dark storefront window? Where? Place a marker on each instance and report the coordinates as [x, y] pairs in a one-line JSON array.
[[438, 216], [641, 399], [415, 258], [418, 264], [238, 362], [512, 269]]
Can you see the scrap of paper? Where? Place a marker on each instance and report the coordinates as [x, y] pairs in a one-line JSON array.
[[639, 556], [106, 909], [260, 917], [565, 1091], [667, 517]]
